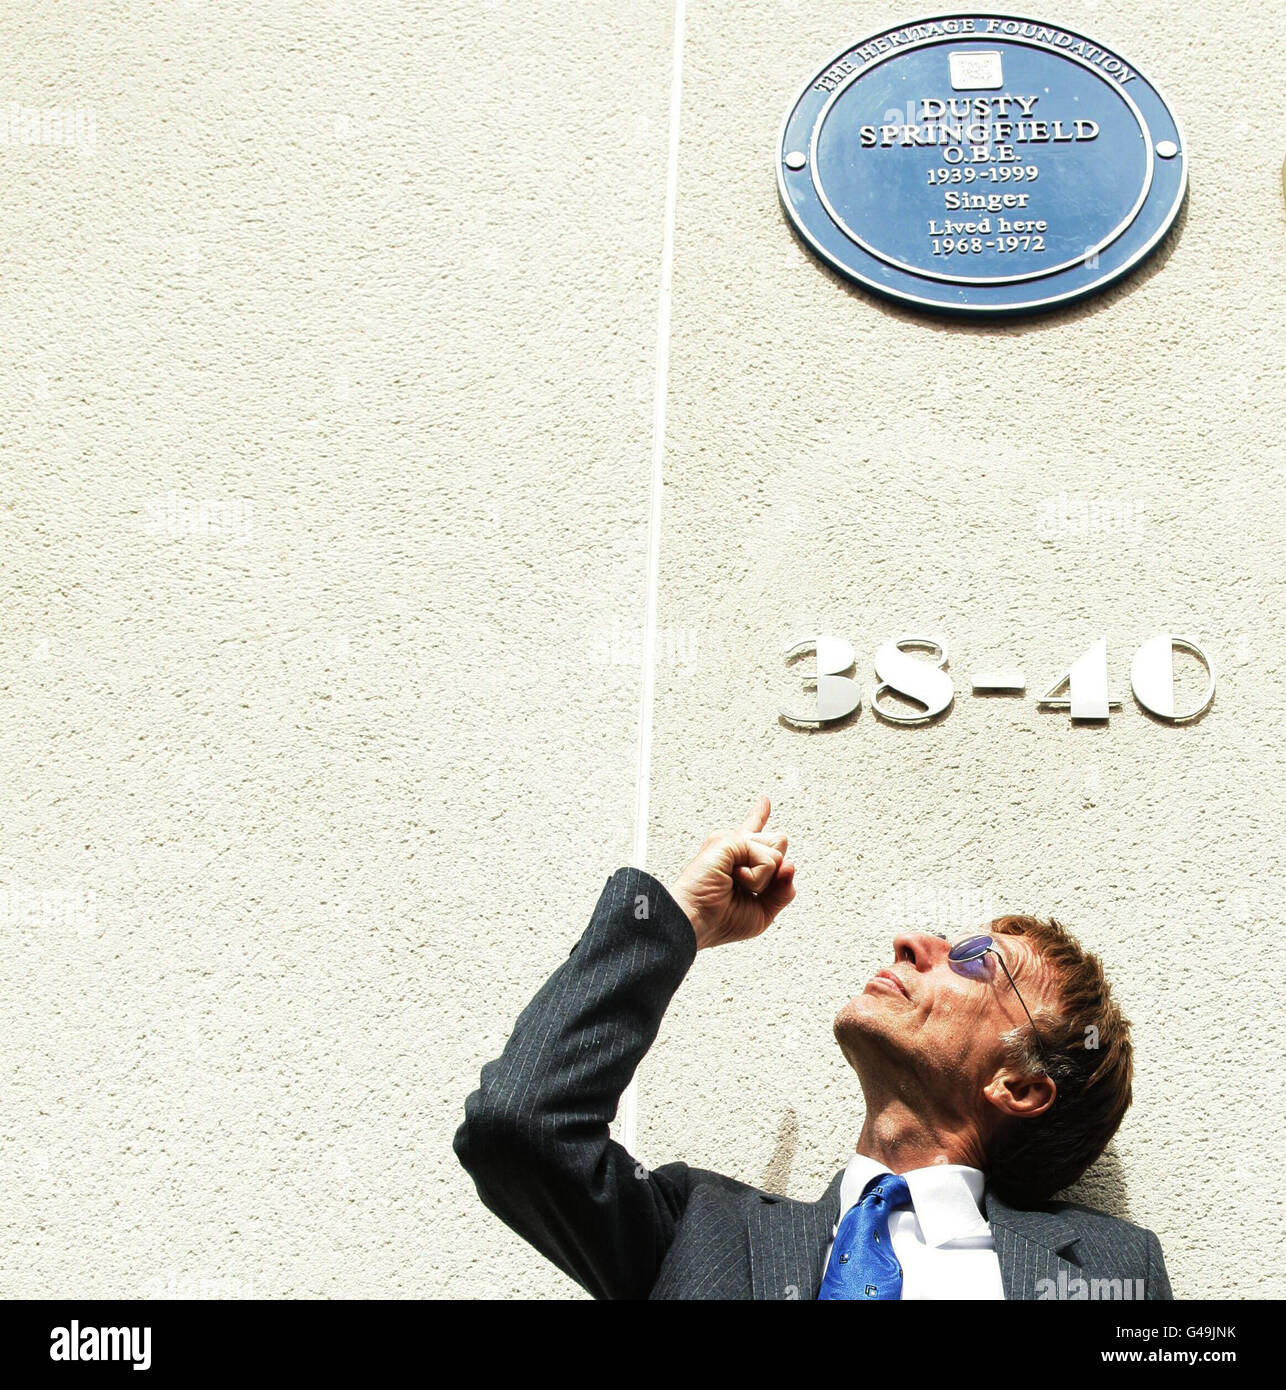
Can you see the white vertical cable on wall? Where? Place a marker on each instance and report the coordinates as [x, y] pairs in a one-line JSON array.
[[643, 772]]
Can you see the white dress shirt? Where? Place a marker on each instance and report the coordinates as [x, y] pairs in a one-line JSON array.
[[942, 1240]]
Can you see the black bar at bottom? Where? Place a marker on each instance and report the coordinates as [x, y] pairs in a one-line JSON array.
[[383, 1340]]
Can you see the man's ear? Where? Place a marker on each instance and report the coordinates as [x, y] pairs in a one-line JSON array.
[[1020, 1094]]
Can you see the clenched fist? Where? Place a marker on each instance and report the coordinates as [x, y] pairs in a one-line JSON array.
[[739, 881]]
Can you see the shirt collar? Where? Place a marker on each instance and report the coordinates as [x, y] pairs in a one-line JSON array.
[[946, 1197]]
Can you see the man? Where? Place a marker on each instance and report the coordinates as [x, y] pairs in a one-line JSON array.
[[993, 1073]]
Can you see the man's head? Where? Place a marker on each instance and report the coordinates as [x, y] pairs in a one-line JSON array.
[[953, 1040]]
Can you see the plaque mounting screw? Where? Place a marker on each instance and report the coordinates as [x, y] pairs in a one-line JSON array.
[[796, 159], [1167, 149]]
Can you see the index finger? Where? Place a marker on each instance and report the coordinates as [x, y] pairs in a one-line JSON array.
[[758, 818]]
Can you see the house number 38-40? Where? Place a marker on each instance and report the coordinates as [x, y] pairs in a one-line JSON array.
[[914, 668]]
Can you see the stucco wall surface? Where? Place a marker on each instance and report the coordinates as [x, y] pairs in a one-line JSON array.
[[329, 397]]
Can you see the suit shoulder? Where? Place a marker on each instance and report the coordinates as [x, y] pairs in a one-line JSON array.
[[720, 1185], [1090, 1219], [703, 1177]]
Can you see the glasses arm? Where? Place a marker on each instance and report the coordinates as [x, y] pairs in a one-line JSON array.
[[991, 950]]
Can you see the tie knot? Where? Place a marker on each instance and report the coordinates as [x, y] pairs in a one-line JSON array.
[[888, 1192], [863, 1263]]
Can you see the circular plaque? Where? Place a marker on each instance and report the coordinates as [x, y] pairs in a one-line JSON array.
[[981, 164]]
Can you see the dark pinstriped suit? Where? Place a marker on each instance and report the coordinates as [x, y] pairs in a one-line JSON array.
[[535, 1140]]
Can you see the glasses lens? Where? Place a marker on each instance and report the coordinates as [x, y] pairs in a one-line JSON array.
[[970, 950]]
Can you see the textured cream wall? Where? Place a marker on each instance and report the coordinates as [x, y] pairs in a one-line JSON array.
[[328, 390]]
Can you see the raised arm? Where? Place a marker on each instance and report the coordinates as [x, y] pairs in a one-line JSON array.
[[535, 1135]]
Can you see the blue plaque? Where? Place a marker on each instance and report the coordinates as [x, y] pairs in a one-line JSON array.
[[981, 164]]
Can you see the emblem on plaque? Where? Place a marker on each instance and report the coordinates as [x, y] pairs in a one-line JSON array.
[[981, 164]]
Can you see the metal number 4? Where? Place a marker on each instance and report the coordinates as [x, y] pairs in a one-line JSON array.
[[1086, 682]]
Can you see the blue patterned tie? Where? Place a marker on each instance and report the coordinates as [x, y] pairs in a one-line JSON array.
[[862, 1263]]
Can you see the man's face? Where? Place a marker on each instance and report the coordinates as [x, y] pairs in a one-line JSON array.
[[940, 1021]]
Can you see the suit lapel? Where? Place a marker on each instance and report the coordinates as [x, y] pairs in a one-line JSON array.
[[1029, 1245], [788, 1242]]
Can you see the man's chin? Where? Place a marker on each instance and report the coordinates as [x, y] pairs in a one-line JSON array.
[[863, 1016]]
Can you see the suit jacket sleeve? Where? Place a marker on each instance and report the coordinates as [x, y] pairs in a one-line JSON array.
[[535, 1135], [1157, 1285]]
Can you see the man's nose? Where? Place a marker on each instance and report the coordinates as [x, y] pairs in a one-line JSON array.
[[923, 949]]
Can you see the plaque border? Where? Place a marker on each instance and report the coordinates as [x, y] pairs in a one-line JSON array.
[[960, 310]]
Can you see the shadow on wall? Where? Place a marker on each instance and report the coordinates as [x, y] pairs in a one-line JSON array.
[[1103, 1187], [776, 1176]]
